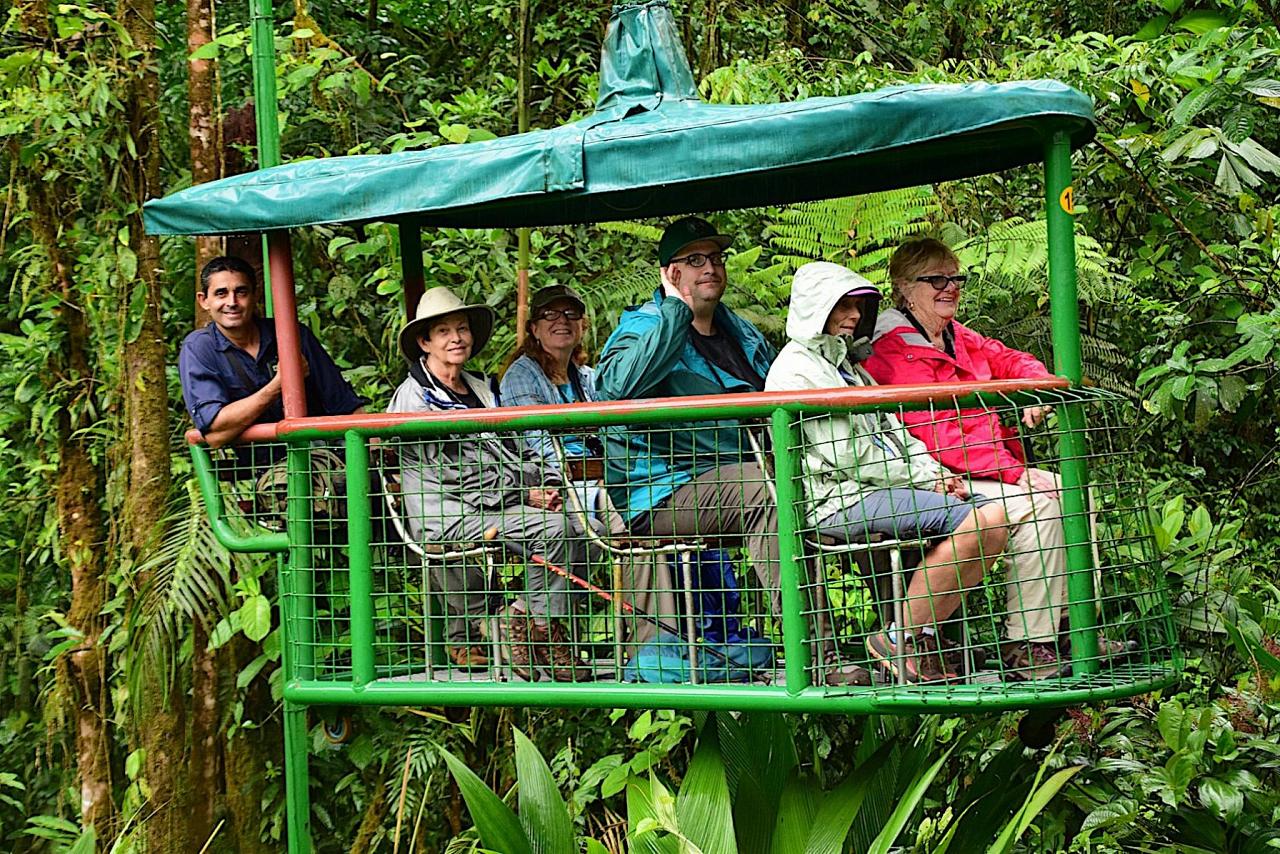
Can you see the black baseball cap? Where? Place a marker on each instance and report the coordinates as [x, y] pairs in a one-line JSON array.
[[551, 293], [682, 232]]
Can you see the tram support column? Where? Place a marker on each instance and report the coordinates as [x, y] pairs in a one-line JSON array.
[[297, 778], [1065, 317], [411, 266], [795, 631], [288, 340]]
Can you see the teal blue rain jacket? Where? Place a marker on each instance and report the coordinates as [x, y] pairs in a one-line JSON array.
[[650, 355]]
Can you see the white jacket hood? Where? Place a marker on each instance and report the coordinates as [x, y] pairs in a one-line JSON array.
[[815, 290]]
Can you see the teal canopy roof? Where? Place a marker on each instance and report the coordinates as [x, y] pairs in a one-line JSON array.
[[653, 148]]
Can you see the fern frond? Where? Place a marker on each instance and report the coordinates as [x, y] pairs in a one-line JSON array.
[[648, 233], [858, 231]]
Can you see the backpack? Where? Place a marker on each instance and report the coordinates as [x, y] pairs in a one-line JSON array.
[[666, 660]]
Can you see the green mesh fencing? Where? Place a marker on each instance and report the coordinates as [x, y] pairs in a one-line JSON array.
[[745, 557]]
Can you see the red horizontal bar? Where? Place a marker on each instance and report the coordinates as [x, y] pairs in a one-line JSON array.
[[836, 397]]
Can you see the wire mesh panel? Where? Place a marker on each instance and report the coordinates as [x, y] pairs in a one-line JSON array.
[[802, 554], [494, 562], [930, 578]]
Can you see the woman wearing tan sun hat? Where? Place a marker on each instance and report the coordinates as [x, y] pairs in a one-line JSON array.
[[484, 486]]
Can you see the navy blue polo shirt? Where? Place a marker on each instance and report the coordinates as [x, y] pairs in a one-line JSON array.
[[210, 381]]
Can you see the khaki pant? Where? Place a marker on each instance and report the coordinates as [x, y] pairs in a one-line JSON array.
[[1035, 560], [730, 503]]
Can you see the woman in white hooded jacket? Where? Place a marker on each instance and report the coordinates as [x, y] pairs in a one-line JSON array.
[[865, 474]]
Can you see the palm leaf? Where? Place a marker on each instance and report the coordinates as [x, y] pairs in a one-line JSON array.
[[906, 807], [189, 577], [704, 812], [543, 814], [497, 825]]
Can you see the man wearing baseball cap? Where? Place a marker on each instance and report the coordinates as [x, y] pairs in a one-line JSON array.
[[690, 479]]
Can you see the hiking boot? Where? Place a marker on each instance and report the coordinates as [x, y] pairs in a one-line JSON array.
[[468, 657], [1109, 650], [933, 663], [958, 657], [1029, 662], [921, 661], [558, 654], [514, 631], [842, 675]]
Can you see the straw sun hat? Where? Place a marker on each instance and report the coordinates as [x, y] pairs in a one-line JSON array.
[[437, 303]]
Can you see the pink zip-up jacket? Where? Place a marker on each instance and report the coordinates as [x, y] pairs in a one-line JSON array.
[[968, 441]]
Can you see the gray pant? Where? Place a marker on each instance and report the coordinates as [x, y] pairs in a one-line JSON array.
[[731, 503], [523, 532]]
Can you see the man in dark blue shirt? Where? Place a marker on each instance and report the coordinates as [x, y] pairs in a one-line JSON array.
[[228, 368]]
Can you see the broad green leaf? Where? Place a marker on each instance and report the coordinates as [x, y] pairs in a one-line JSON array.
[[255, 617], [1036, 801], [1265, 88], [836, 813], [1221, 798], [208, 50], [642, 818], [1151, 29], [1123, 810], [1202, 21], [497, 825], [704, 812], [543, 813], [1226, 180], [1256, 156], [86, 844], [796, 811], [1170, 720], [1193, 103], [888, 836]]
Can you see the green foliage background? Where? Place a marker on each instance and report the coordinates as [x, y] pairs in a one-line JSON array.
[[1180, 304]]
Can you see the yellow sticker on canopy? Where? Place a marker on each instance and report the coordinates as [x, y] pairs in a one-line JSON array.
[[1067, 200]]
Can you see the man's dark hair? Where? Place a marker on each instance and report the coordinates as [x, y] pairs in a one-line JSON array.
[[227, 264]]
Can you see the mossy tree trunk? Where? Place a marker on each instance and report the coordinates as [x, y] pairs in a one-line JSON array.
[[161, 706]]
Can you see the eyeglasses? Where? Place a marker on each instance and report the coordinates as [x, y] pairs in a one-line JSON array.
[[555, 313], [697, 259], [939, 283]]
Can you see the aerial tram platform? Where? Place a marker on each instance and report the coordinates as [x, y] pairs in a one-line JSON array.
[[360, 601]]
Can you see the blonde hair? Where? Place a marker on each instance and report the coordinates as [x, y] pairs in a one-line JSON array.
[[912, 257]]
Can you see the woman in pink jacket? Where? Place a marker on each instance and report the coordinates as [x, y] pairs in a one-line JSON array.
[[920, 341]]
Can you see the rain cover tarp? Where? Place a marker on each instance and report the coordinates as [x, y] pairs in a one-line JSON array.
[[653, 148]]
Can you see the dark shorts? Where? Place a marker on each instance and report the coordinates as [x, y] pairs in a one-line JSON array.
[[903, 514]]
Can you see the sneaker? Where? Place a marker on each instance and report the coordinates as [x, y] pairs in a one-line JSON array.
[[1029, 662], [559, 655], [921, 662]]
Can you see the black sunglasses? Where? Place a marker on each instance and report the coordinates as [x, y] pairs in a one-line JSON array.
[[939, 283], [553, 313]]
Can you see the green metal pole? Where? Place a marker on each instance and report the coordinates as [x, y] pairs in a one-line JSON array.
[[265, 108], [297, 778], [522, 125], [359, 535], [1065, 318], [795, 631], [299, 614]]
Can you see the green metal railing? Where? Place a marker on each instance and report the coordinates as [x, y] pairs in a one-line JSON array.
[[359, 626]]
